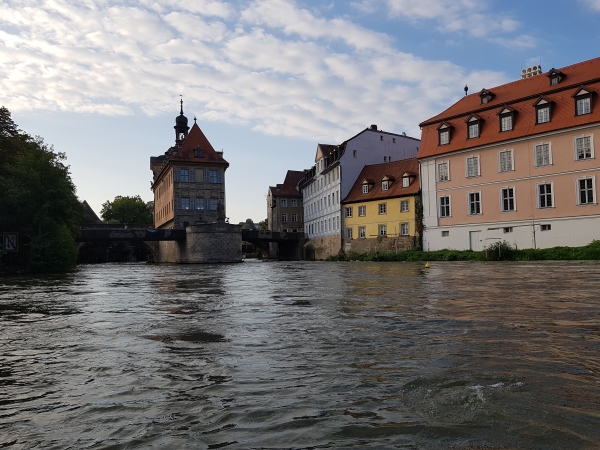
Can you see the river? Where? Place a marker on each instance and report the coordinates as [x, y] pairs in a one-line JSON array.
[[303, 355]]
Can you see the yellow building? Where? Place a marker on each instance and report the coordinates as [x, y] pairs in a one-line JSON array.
[[379, 211]]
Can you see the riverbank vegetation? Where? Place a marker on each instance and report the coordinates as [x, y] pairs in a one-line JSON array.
[[500, 251], [38, 202]]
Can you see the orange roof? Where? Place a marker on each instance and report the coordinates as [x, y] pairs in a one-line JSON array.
[[519, 95], [195, 139], [288, 188], [377, 172]]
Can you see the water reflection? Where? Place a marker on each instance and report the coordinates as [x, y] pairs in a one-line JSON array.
[[300, 355]]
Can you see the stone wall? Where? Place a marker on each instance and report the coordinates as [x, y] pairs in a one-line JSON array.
[[379, 244], [205, 243], [322, 247]]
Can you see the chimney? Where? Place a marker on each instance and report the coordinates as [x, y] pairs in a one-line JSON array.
[[374, 127]]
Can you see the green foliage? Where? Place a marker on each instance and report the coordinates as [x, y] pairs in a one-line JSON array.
[[419, 221], [500, 251], [126, 210], [38, 200]]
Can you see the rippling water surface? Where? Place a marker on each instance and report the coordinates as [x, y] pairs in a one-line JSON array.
[[306, 355]]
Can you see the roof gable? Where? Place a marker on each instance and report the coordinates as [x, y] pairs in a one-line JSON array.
[[196, 139]]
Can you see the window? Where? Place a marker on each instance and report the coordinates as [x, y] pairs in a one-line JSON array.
[[445, 233], [393, 140], [294, 203], [444, 133], [473, 130], [474, 203], [349, 233], [199, 203], [213, 204], [362, 211], [545, 195], [284, 217], [485, 96], [294, 217], [404, 229], [184, 203], [404, 206], [443, 171], [198, 152], [543, 156], [283, 202], [543, 110], [545, 227], [584, 106], [583, 147], [385, 185], [380, 138], [383, 208], [361, 232], [365, 188], [382, 230], [405, 182], [445, 206], [506, 122], [184, 175], [508, 199], [354, 152], [585, 189], [507, 229], [349, 211], [505, 161], [213, 176], [385, 159], [473, 166]]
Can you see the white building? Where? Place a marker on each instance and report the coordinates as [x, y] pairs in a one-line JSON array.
[[329, 181]]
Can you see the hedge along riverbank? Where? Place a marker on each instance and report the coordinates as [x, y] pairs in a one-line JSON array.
[[501, 251]]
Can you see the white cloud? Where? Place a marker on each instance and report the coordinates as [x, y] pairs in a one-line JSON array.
[[594, 4], [273, 66]]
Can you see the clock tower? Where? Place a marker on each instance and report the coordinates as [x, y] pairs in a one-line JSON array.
[[181, 127]]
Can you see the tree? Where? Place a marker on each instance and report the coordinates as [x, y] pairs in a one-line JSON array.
[[126, 210], [38, 200]]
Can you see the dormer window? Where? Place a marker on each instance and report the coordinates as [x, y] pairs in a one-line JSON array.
[[474, 126], [543, 110], [555, 77], [485, 96], [583, 101], [444, 133], [507, 118], [365, 188], [407, 178], [385, 185], [366, 185], [198, 153]]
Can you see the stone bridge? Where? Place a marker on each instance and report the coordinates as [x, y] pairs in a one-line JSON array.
[[273, 244]]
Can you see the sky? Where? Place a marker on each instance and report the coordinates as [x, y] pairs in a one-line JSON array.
[[267, 80]]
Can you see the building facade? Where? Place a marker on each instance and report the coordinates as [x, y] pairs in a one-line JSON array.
[[331, 178], [379, 211], [285, 211], [515, 163], [188, 180]]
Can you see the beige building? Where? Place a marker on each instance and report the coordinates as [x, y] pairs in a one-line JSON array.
[[188, 180], [285, 212]]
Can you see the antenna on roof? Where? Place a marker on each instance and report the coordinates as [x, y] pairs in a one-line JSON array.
[[466, 89]]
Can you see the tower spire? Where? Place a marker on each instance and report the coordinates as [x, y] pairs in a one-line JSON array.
[[181, 102]]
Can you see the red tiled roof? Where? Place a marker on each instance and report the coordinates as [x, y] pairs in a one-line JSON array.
[[519, 95], [376, 172], [288, 188], [195, 139]]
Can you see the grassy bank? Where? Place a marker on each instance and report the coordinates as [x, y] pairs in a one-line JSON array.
[[498, 252]]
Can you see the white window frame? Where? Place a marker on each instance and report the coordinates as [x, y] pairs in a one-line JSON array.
[[510, 152], [473, 126], [365, 188], [538, 195], [576, 151], [545, 117], [284, 218], [294, 203], [362, 211], [469, 204], [348, 233], [404, 229], [405, 182], [385, 185], [348, 211], [514, 199], [382, 230], [362, 233], [382, 208], [283, 202], [446, 164], [535, 151], [595, 199], [404, 206], [478, 166], [444, 137], [294, 217], [584, 100], [503, 122], [448, 206]]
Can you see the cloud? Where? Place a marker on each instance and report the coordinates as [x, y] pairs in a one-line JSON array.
[[270, 65], [594, 4]]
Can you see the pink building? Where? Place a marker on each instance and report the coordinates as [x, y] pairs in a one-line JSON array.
[[515, 163]]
